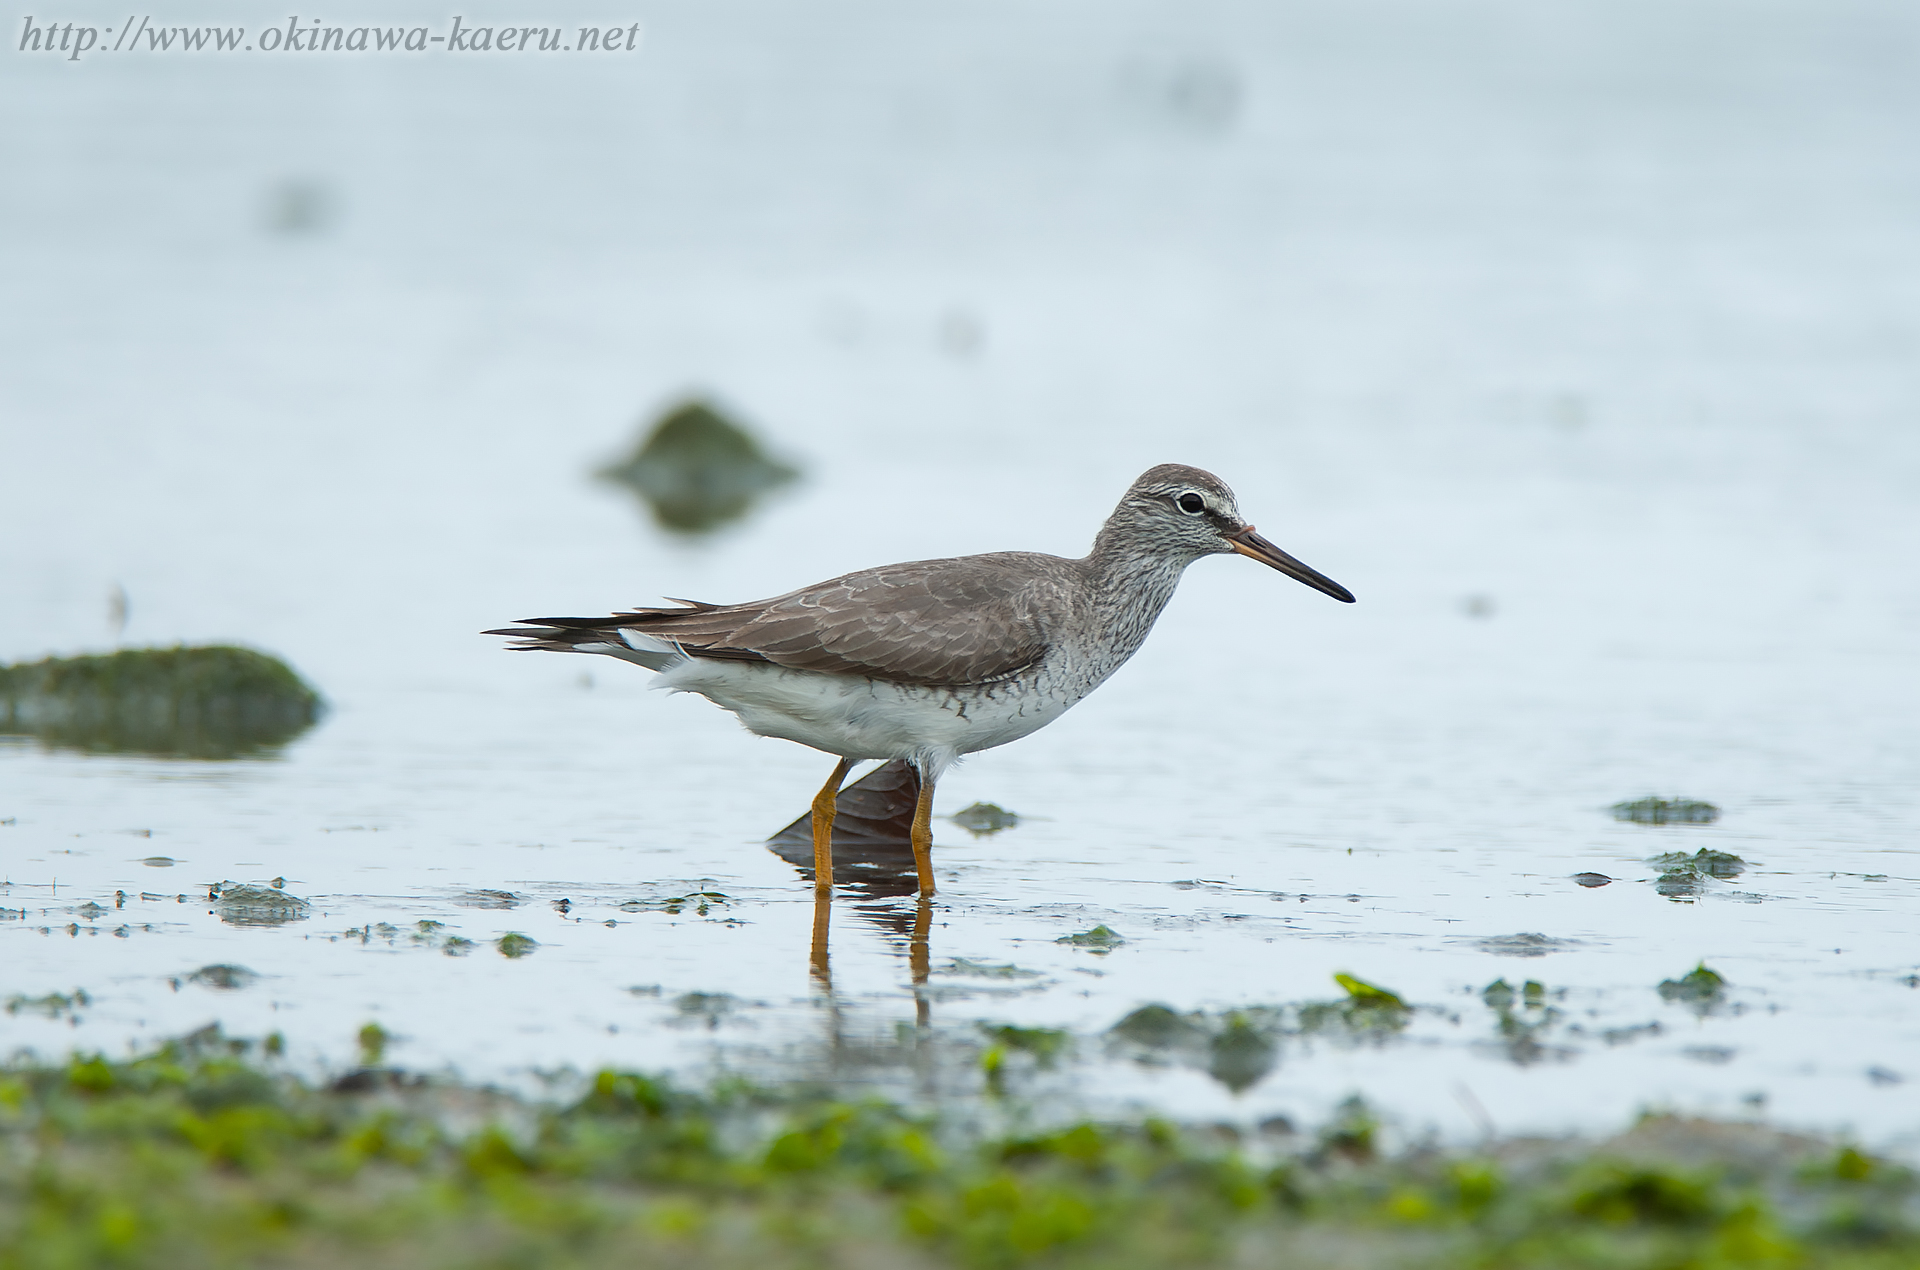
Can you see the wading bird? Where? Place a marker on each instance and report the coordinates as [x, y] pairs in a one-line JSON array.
[[933, 659]]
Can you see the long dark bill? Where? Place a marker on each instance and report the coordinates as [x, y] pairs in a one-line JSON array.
[[1252, 545]]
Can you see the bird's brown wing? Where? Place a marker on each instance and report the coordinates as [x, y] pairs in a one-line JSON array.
[[971, 620]]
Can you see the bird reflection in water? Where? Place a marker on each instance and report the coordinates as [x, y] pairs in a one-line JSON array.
[[873, 858]]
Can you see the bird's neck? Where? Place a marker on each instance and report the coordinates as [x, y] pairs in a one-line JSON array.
[[1130, 585]]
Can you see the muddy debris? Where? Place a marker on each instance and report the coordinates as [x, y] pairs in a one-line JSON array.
[[215, 702], [698, 470], [1653, 810]]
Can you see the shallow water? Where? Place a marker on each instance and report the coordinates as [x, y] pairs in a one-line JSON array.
[[1583, 354]]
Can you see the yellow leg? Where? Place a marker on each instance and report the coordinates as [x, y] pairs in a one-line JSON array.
[[919, 962], [923, 837], [824, 805], [822, 916]]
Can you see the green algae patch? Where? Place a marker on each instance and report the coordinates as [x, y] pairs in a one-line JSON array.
[[216, 702], [698, 470], [1653, 810], [209, 1151]]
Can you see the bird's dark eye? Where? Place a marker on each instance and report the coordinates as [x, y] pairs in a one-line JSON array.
[[1190, 503]]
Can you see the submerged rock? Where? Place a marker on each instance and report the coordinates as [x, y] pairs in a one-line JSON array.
[[1241, 1053], [982, 819], [1157, 1027], [1525, 944], [1666, 811], [242, 904], [1684, 876], [1704, 863], [698, 470], [216, 702], [223, 977], [1101, 940]]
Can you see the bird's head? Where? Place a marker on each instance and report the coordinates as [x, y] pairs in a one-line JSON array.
[[1184, 511]]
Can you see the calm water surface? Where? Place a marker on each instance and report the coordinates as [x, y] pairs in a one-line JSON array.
[[1583, 353]]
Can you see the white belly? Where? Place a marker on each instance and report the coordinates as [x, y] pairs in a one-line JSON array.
[[867, 719]]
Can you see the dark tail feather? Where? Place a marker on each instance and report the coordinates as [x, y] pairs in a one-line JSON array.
[[579, 635]]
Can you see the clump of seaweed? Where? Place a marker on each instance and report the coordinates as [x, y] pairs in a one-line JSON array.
[[216, 702], [1653, 810], [698, 470]]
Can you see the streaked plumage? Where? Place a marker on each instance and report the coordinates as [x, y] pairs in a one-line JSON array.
[[932, 659]]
